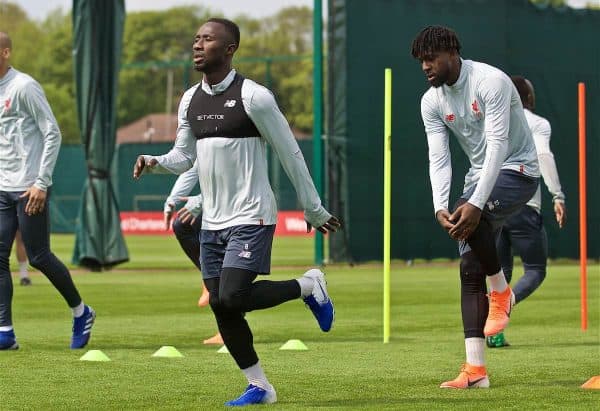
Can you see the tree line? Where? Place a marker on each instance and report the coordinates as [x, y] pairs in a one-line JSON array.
[[43, 50]]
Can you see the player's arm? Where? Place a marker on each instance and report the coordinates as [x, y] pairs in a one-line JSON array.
[[183, 154], [272, 125], [495, 93], [35, 102], [541, 137], [440, 165], [183, 186]]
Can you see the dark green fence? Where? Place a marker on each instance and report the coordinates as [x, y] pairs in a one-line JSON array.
[[554, 48], [148, 193]]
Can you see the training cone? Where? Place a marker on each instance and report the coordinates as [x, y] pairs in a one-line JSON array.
[[296, 345], [593, 383], [94, 355], [223, 350], [167, 351], [214, 340]]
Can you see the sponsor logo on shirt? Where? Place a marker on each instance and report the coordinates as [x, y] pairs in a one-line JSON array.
[[450, 117], [202, 117], [229, 103]]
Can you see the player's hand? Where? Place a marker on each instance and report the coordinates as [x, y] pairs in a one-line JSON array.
[[36, 200], [332, 225], [443, 217], [466, 218], [560, 210], [140, 164], [168, 215], [186, 216]]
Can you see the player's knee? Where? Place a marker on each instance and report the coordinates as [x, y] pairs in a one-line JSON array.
[[39, 260], [178, 228], [231, 301], [537, 271], [483, 242]]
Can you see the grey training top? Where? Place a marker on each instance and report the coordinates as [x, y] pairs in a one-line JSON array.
[[29, 135]]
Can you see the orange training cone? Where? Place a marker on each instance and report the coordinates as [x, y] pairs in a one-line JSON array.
[[593, 383], [214, 340]]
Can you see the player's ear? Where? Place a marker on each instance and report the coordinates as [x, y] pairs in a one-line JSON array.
[[231, 49]]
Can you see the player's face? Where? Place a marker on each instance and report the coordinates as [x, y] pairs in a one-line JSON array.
[[211, 47], [437, 67]]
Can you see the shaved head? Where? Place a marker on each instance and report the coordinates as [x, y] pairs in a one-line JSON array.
[[5, 41]]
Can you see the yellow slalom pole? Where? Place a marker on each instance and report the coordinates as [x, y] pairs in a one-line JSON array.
[[387, 197]]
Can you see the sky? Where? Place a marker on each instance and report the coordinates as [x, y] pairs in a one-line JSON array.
[[38, 9]]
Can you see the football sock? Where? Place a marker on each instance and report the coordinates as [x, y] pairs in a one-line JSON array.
[[78, 311], [23, 269], [256, 376], [498, 282], [475, 351]]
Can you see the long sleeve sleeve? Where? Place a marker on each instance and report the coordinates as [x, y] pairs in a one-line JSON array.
[[541, 137], [273, 126], [183, 154], [495, 93], [36, 103], [440, 165], [183, 186]]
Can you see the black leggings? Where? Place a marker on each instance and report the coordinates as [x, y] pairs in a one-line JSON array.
[[234, 294]]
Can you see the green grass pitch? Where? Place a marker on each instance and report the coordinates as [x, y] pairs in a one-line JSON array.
[[151, 302]]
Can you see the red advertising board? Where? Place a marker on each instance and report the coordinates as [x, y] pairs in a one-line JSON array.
[[289, 223]]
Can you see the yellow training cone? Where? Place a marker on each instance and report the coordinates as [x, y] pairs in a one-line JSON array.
[[94, 355], [294, 345], [223, 350], [167, 351]]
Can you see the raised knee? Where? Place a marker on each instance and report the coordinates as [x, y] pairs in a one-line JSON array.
[[230, 302], [178, 227]]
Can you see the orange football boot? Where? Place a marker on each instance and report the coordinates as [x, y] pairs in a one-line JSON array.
[[470, 376], [498, 315]]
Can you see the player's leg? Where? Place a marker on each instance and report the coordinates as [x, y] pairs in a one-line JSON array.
[[22, 260], [188, 237], [504, 247], [474, 310], [531, 242], [249, 248], [231, 321], [510, 193], [35, 230], [8, 228]]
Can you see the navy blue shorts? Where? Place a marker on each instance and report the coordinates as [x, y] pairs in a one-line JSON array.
[[510, 193], [244, 246]]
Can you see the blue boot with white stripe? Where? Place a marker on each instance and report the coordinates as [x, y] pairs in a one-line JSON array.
[[82, 328], [319, 302]]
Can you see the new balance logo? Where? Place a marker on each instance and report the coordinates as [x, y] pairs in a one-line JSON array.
[[229, 103], [245, 254]]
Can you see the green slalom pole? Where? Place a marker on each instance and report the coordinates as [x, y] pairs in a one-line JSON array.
[[387, 197]]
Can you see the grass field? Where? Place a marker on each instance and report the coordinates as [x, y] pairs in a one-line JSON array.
[[151, 302]]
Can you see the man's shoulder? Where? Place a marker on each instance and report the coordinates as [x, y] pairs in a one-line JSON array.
[[254, 86], [24, 80], [257, 93], [537, 122]]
